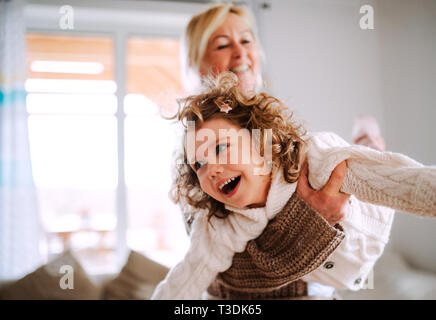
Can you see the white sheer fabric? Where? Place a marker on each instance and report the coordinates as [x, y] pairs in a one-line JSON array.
[[19, 218]]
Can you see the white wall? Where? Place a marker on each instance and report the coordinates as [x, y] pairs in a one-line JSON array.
[[329, 70], [407, 46], [321, 63]]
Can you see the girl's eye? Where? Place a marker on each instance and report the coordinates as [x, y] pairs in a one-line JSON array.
[[246, 41], [221, 147], [198, 165]]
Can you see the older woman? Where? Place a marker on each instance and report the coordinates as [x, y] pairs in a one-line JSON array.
[[223, 38]]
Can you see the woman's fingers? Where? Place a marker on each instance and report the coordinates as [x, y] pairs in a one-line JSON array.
[[303, 188], [329, 202], [376, 143], [333, 186]]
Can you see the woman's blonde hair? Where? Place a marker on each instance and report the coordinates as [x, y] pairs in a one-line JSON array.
[[248, 110], [198, 32]]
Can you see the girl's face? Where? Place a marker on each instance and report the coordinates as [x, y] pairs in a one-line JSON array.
[[227, 165], [232, 47]]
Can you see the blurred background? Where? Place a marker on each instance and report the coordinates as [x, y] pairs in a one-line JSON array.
[[94, 156]]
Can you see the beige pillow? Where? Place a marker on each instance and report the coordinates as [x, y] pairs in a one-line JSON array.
[[137, 279], [48, 283]]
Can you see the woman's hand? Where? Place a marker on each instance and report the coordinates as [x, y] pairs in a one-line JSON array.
[[376, 143], [329, 202], [366, 132]]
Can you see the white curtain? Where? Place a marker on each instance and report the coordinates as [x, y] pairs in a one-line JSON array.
[[19, 218]]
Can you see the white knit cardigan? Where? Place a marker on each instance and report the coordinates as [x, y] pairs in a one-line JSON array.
[[382, 178]]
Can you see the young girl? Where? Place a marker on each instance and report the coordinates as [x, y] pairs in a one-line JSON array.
[[243, 211]]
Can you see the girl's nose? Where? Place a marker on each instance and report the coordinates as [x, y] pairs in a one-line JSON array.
[[214, 170]]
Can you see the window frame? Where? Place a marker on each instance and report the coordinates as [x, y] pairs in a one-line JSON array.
[[43, 17]]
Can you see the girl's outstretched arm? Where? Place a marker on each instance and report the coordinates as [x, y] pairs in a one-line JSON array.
[[401, 186], [381, 178]]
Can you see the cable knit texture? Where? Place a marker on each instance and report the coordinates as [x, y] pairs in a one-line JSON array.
[[383, 178], [367, 227]]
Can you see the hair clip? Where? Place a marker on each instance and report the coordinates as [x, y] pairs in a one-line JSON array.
[[225, 108]]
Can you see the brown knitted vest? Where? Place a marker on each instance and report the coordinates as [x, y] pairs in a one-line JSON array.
[[293, 244]]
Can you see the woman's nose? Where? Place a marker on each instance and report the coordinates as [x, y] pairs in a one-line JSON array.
[[239, 51]]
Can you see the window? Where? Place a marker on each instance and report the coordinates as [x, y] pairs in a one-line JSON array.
[[73, 134], [155, 224], [73, 117], [93, 96]]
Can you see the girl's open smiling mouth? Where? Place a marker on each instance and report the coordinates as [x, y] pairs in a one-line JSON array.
[[228, 187]]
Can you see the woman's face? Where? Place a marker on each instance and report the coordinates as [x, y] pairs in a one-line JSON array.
[[232, 47]]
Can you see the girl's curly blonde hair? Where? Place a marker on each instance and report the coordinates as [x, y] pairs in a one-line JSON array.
[[248, 110]]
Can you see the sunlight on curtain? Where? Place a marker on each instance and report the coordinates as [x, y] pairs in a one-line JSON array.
[[19, 219]]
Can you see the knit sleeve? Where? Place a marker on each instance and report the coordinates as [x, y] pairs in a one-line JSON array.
[[316, 239], [190, 277], [213, 244], [381, 178], [401, 186]]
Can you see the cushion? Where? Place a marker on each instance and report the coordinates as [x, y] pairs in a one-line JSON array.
[[137, 280], [62, 278]]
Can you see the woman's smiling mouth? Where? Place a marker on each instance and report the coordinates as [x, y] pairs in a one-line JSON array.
[[240, 68]]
